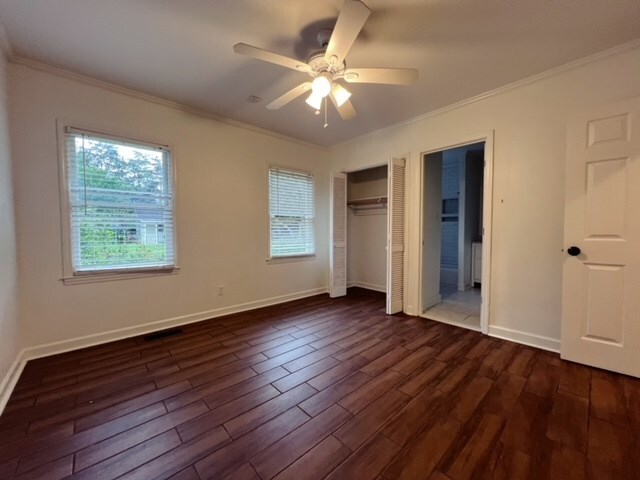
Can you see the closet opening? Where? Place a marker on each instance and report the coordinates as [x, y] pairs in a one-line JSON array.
[[367, 219], [452, 247], [367, 231]]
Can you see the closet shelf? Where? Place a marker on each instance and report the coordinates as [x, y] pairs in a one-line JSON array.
[[368, 203]]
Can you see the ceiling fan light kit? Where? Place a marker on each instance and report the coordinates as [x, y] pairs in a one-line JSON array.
[[321, 85], [340, 93], [328, 65], [314, 101]]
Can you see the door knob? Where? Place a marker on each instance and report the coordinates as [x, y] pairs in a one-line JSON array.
[[573, 251]]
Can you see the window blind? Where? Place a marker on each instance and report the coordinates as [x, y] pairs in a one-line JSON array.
[[292, 213], [120, 204]]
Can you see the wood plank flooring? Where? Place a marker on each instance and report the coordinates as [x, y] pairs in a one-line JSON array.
[[319, 388]]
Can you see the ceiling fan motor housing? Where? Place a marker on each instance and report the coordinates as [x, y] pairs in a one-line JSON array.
[[317, 60], [323, 37], [319, 64]]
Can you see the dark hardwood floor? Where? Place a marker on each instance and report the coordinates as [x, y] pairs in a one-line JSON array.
[[319, 388]]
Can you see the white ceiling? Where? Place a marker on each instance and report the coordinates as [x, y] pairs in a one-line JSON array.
[[183, 50]]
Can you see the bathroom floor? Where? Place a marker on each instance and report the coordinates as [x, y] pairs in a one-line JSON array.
[[457, 308]]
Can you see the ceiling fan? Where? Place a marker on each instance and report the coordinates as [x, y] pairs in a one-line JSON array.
[[327, 65]]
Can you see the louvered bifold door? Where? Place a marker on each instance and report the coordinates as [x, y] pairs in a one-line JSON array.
[[338, 254], [395, 235]]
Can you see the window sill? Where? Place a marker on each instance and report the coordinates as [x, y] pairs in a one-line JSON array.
[[292, 258], [111, 276]]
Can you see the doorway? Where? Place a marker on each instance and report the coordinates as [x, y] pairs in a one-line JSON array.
[[367, 231], [454, 221]]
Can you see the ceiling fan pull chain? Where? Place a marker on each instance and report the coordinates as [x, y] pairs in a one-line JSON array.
[[325, 113]]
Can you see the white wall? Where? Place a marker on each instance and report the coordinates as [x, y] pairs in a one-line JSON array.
[[367, 250], [529, 122], [371, 182], [222, 211], [10, 341]]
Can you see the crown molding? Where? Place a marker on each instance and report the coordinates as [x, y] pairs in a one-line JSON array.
[[61, 72], [566, 67], [94, 82]]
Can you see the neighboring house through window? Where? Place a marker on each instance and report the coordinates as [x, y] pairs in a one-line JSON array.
[[120, 204], [291, 213]]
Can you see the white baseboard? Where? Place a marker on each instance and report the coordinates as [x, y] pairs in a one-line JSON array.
[[369, 286], [119, 334], [11, 378], [530, 339]]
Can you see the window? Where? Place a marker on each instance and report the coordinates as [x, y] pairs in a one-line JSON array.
[[120, 202], [291, 213]]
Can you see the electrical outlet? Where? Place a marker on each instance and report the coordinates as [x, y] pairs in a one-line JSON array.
[[220, 290]]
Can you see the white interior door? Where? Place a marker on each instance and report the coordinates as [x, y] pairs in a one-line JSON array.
[[601, 276], [431, 229], [395, 235], [338, 253]]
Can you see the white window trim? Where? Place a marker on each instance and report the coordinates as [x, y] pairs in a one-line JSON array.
[[290, 258], [69, 277]]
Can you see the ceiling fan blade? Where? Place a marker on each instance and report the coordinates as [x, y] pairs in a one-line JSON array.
[[350, 21], [389, 76], [292, 94], [346, 110], [271, 57]]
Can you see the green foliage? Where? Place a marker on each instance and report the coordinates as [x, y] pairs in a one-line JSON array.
[[109, 234], [117, 254], [106, 168]]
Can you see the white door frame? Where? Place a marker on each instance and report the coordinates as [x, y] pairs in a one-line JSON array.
[[487, 215]]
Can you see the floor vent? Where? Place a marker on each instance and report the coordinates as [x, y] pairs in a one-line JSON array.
[[172, 332]]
